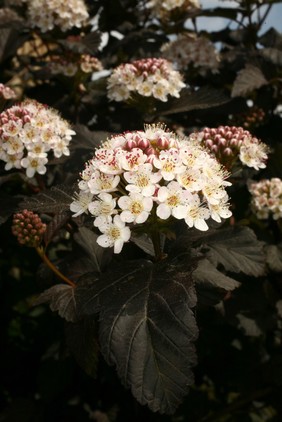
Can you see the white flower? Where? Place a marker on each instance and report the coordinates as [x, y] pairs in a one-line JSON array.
[[143, 180], [131, 160], [172, 199], [253, 154], [103, 208], [81, 203], [115, 234], [169, 163], [220, 210], [101, 182], [135, 208], [34, 164], [196, 214]]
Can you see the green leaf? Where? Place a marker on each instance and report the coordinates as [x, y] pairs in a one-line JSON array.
[[61, 299], [237, 249], [147, 328], [55, 200], [82, 340], [274, 257]]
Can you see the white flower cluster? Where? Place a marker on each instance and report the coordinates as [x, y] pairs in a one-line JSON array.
[[48, 14], [85, 63], [189, 49], [266, 198], [149, 77], [6, 92], [149, 176], [228, 143], [30, 130], [169, 5]]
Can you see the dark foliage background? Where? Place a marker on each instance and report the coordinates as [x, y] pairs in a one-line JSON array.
[[52, 368]]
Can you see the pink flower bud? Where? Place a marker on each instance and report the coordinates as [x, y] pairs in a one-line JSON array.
[[130, 145], [143, 144], [227, 151], [163, 143]]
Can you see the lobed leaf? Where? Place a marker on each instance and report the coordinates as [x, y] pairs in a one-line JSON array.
[[237, 249], [61, 299], [247, 80], [55, 200], [147, 328], [203, 98], [206, 273]]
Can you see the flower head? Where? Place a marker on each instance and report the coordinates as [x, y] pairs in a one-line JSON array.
[[6, 92], [48, 14], [230, 144], [189, 49], [150, 176], [149, 77], [28, 131], [28, 228], [266, 198], [164, 8]]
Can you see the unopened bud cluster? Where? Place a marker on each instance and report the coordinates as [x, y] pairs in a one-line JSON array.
[[149, 77], [28, 131], [150, 176], [28, 228], [189, 49], [229, 143], [266, 198], [6, 92], [70, 67], [48, 14], [250, 119]]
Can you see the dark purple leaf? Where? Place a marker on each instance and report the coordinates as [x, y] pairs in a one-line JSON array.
[[147, 328], [61, 299]]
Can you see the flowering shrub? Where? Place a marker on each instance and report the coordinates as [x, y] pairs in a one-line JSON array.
[[147, 77], [155, 232], [28, 132]]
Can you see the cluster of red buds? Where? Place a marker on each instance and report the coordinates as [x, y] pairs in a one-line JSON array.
[[28, 228], [230, 143], [251, 119]]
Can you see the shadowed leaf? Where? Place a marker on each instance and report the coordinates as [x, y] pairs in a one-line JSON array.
[[274, 257], [82, 340], [58, 221], [207, 273], [99, 256], [147, 328], [87, 139], [205, 97], [247, 80], [237, 249], [55, 200], [61, 299]]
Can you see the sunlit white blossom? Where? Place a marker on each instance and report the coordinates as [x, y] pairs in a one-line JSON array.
[[115, 234]]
